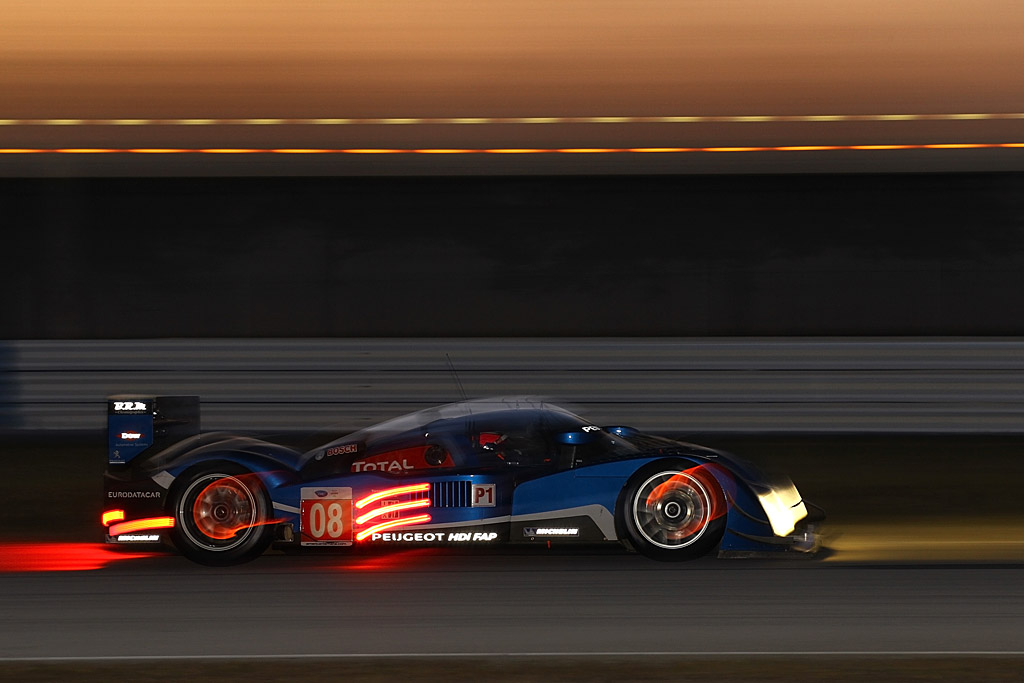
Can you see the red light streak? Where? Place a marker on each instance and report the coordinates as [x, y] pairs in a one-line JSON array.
[[60, 557], [391, 560], [419, 519], [142, 525], [225, 532], [388, 509], [111, 516], [389, 493], [385, 509]]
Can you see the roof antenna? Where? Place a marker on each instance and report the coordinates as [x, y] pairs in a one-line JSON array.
[[455, 375]]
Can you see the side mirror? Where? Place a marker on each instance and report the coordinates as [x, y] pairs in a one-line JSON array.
[[435, 455]]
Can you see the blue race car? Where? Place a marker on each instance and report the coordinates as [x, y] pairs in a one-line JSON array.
[[484, 472]]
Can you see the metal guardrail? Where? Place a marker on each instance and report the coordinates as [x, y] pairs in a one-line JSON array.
[[707, 385]]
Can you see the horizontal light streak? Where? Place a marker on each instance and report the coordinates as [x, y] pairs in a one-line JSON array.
[[392, 492], [519, 120], [390, 509], [394, 524], [142, 525], [565, 150], [111, 516]]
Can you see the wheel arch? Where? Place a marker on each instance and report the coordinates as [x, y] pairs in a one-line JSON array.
[[269, 471]]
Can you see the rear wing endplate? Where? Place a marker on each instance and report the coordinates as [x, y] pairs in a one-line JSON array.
[[137, 423]]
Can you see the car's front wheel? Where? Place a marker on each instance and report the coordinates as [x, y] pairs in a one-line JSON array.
[[673, 511], [221, 516]]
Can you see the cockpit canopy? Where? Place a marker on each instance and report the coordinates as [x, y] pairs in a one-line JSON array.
[[505, 432]]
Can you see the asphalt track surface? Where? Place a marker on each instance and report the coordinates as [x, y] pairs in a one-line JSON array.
[[920, 591], [454, 603]]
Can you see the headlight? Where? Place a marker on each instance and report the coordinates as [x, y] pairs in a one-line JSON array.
[[784, 507]]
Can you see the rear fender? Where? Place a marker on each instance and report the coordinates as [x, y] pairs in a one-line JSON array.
[[272, 472]]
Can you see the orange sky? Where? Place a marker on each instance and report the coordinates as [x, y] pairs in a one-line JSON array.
[[124, 58]]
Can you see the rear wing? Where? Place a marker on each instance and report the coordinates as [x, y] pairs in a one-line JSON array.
[[137, 423]]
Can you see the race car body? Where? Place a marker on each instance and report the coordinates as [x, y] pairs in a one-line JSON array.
[[508, 470]]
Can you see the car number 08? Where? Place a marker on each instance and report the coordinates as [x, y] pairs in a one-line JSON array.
[[327, 518]]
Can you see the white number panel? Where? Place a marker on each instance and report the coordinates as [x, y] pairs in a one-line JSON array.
[[326, 516]]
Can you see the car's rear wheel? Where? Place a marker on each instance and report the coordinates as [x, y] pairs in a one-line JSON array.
[[672, 511], [221, 516]]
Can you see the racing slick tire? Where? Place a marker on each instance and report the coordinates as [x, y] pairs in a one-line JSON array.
[[672, 511], [222, 515]]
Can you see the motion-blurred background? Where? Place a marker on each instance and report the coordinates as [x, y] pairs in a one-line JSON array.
[[714, 218], [790, 228]]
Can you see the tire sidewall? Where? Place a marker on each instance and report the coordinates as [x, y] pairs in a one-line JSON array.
[[712, 528], [193, 543]]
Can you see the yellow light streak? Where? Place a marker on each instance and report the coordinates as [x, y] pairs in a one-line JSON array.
[[514, 120], [370, 151], [660, 150], [961, 145], [300, 151], [442, 151], [514, 150]]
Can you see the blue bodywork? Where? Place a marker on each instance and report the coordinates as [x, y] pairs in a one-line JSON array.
[[504, 470]]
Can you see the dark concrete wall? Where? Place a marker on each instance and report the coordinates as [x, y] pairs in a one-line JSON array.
[[731, 255]]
